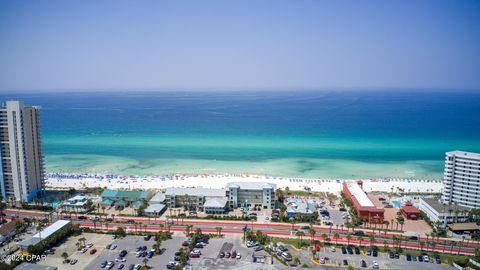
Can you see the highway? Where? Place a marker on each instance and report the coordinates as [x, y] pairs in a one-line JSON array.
[[273, 229]]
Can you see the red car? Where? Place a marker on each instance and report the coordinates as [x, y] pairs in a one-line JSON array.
[[93, 251]]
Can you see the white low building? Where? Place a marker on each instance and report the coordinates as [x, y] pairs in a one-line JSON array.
[[444, 213]]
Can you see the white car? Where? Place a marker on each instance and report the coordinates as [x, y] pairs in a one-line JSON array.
[[114, 246], [120, 260], [426, 259], [83, 250], [332, 249], [322, 260], [239, 256], [375, 265], [89, 245]]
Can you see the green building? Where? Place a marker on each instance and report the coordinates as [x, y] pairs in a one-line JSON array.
[[124, 198]]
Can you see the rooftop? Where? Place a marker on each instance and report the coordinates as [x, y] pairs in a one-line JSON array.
[[32, 266], [359, 195], [127, 194], [458, 153], [206, 192], [45, 233], [443, 208], [155, 208], [470, 226], [252, 185], [158, 198], [215, 203], [8, 227], [297, 205]]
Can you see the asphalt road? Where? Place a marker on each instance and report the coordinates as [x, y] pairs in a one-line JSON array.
[[273, 229]]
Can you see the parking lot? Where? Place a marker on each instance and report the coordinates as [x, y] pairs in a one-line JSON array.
[[130, 243], [99, 242], [335, 259], [210, 256]]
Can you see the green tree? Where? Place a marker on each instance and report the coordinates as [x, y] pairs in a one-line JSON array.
[[219, 231], [336, 236], [299, 234], [312, 233], [120, 231]]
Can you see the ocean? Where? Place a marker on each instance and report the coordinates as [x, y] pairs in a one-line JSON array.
[[297, 133]]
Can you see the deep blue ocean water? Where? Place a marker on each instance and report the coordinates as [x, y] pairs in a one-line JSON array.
[[147, 129]]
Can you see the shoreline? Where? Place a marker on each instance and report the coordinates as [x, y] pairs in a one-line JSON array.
[[78, 181]]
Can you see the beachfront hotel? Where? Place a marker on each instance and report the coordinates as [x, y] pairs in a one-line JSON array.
[[251, 194], [21, 171], [461, 182], [364, 207]]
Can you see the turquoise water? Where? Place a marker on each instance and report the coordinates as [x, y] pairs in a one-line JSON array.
[[396, 204], [334, 134]]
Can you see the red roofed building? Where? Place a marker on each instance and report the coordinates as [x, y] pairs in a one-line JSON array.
[[409, 211], [362, 204]]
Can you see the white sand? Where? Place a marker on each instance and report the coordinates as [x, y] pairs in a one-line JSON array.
[[220, 181]]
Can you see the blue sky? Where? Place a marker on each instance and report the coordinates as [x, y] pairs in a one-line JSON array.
[[239, 44]]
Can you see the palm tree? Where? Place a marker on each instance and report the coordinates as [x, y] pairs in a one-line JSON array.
[[64, 255], [82, 240], [188, 229], [300, 234], [372, 240], [360, 239], [293, 222], [336, 235], [296, 261], [312, 233], [401, 221], [145, 261], [385, 244], [349, 237], [219, 231], [422, 244], [324, 236]]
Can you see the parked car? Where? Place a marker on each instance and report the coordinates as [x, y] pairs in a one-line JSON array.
[[122, 253], [345, 262], [258, 248], [437, 259], [93, 251], [120, 266], [363, 263], [375, 265]]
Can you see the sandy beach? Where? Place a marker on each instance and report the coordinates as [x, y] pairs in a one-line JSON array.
[[64, 181]]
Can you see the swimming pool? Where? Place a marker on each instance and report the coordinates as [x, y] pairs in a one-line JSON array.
[[397, 204]]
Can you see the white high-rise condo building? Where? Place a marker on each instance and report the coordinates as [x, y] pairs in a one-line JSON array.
[[21, 170], [461, 182]]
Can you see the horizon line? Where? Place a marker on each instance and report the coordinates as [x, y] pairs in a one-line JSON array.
[[235, 89]]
